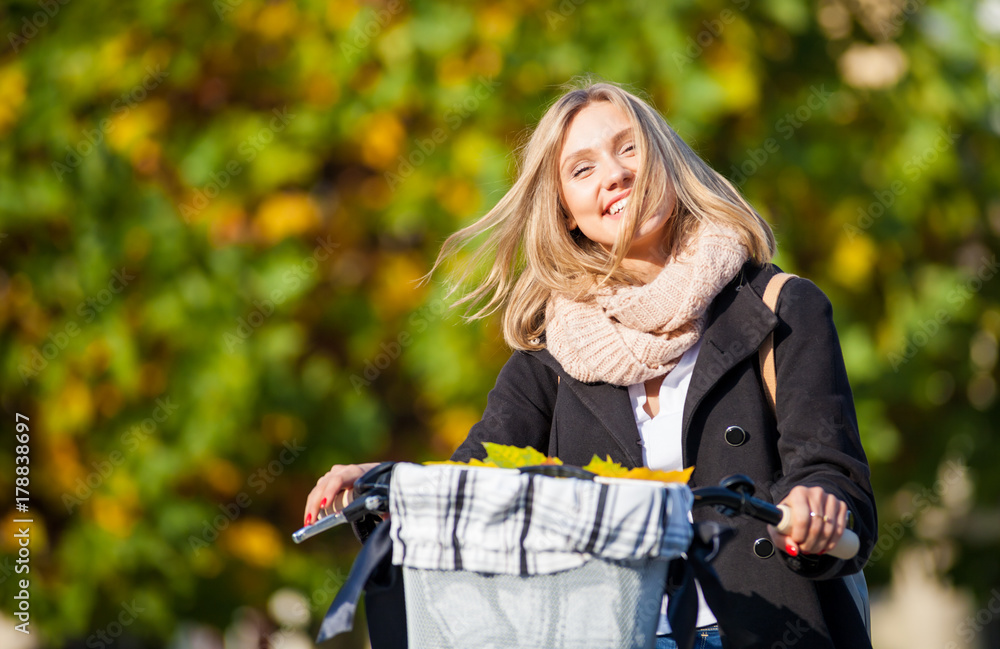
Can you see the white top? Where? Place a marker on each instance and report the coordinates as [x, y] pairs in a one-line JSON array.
[[661, 444]]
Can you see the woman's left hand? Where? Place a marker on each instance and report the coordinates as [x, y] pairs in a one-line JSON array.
[[818, 521]]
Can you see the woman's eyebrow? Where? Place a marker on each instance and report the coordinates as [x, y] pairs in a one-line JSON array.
[[617, 137]]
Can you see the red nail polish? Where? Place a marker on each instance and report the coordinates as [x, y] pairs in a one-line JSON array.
[[309, 519], [323, 503], [791, 549]]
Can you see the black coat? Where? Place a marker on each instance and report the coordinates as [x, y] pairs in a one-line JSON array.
[[814, 442]]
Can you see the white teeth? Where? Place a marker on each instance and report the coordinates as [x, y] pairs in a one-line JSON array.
[[618, 206]]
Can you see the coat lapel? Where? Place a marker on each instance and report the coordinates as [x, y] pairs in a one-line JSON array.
[[737, 325], [611, 406], [608, 404]]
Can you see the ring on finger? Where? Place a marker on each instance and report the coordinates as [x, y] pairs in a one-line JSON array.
[[826, 519]]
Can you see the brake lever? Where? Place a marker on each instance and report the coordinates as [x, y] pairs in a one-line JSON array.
[[371, 495]]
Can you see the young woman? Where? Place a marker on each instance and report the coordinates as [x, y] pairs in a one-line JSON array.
[[635, 319]]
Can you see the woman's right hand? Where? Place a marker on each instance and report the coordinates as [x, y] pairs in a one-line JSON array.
[[339, 478]]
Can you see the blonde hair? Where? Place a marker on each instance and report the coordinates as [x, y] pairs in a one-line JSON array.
[[529, 252]]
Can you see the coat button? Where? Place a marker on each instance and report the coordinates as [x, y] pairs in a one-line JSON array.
[[763, 548], [735, 436]]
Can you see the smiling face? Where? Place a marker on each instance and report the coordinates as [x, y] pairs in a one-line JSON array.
[[597, 170]]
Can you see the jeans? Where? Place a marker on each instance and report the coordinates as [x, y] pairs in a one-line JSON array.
[[704, 638]]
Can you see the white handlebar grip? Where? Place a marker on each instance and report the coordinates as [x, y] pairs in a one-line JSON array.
[[846, 547], [340, 500]]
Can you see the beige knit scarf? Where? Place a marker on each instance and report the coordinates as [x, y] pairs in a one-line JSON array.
[[631, 334]]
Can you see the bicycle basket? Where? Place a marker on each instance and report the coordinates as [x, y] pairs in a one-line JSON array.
[[496, 558]]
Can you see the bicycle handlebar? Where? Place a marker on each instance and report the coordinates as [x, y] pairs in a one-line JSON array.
[[737, 500], [370, 495], [733, 496]]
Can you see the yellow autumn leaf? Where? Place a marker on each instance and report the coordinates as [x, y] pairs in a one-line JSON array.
[[452, 425], [607, 468], [322, 91], [487, 60], [458, 196], [224, 478], [452, 70], [112, 55], [63, 458], [381, 136], [111, 514], [738, 82], [645, 473], [253, 540], [340, 13], [276, 20], [73, 408], [397, 287], [853, 260], [227, 222], [513, 457], [495, 23], [284, 215], [13, 91], [137, 124]]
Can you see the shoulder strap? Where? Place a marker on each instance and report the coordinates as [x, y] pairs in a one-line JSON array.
[[766, 350], [855, 583]]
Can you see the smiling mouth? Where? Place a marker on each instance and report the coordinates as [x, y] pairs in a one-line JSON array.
[[616, 207]]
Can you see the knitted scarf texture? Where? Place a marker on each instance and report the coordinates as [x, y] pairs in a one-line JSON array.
[[630, 334]]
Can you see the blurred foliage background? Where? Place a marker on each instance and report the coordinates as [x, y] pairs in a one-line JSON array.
[[212, 215]]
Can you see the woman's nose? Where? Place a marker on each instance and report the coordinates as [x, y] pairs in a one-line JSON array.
[[617, 174]]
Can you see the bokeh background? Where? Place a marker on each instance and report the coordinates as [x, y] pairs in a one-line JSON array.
[[213, 214]]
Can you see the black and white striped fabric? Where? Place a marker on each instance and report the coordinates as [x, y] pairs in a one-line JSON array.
[[446, 517]]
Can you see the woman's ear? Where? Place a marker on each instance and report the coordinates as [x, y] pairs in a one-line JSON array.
[[567, 218]]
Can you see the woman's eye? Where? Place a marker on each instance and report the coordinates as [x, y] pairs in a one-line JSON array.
[[579, 170], [628, 148]]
